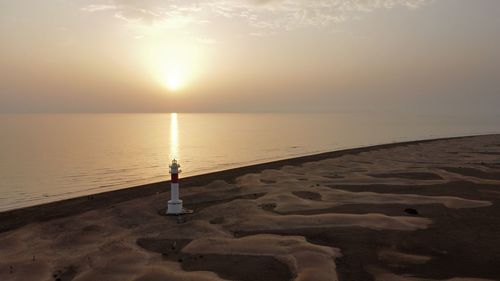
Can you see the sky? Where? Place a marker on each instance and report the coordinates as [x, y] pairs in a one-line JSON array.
[[417, 56]]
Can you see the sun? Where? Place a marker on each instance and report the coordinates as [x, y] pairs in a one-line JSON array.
[[176, 72], [175, 79], [174, 63]]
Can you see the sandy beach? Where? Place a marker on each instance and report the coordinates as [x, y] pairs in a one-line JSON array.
[[423, 210]]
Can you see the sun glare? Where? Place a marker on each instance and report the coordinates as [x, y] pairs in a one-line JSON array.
[[174, 79], [177, 70], [174, 64]]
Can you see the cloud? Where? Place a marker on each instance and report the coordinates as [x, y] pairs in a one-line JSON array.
[[276, 14], [98, 7], [262, 14], [128, 10]]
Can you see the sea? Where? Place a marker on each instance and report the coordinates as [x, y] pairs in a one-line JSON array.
[[51, 157]]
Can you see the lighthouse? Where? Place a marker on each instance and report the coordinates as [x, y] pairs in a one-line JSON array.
[[174, 204]]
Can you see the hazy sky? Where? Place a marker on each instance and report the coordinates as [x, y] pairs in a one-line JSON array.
[[422, 56]]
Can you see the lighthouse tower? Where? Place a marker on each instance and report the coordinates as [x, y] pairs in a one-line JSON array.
[[174, 204]]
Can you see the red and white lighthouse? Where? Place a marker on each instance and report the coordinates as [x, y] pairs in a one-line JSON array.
[[174, 204]]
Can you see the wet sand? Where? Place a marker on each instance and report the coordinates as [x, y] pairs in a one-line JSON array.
[[424, 210]]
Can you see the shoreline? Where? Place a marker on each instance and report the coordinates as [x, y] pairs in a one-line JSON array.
[[12, 219]]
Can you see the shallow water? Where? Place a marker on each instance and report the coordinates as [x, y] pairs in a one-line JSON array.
[[49, 157]]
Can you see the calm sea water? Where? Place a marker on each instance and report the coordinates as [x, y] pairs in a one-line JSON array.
[[50, 157]]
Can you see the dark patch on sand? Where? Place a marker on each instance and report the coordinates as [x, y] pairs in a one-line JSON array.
[[217, 220], [491, 165], [233, 267], [309, 195], [488, 153], [65, 274], [491, 192], [409, 175], [471, 172], [333, 176], [239, 267], [268, 181], [251, 196], [268, 207], [165, 247], [362, 162], [92, 228]]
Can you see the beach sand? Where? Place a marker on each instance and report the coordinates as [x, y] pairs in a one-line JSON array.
[[424, 210]]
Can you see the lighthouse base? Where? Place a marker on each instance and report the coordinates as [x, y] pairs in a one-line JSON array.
[[174, 207]]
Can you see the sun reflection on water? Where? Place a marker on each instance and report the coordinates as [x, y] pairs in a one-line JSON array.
[[174, 137]]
